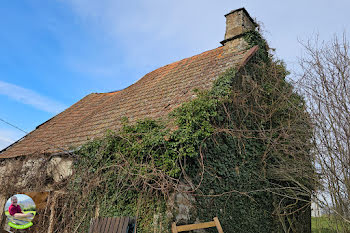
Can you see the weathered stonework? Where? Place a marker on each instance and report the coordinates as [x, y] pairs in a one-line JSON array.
[[31, 175], [21, 173], [181, 205], [237, 23], [237, 44], [59, 168]]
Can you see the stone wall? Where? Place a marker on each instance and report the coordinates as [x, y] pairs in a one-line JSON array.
[[27, 174], [31, 175]]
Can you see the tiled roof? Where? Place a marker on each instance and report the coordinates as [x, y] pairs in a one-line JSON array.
[[153, 96]]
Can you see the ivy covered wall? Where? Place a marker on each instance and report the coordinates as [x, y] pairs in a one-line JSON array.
[[241, 148]]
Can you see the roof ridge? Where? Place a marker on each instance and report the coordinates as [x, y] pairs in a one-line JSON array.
[[162, 67]]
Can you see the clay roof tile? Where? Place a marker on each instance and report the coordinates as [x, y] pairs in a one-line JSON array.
[[154, 95]]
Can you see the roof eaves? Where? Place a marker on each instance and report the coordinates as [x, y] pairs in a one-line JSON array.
[[8, 147]]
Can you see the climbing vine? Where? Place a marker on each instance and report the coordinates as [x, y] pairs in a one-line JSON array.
[[241, 148]]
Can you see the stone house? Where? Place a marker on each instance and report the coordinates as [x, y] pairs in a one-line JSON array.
[[44, 155]]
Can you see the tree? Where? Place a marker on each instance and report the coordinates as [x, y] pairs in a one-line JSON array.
[[326, 85]]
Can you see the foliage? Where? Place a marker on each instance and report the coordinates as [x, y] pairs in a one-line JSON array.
[[125, 169], [255, 38], [30, 208], [241, 147], [253, 158]]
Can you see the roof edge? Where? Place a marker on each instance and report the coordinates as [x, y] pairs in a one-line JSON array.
[[251, 52], [61, 153], [3, 150], [38, 126]]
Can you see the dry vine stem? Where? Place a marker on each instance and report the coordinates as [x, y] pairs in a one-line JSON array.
[[256, 112]]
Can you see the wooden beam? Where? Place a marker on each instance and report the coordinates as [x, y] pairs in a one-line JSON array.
[[215, 223], [195, 226], [174, 228], [218, 225]]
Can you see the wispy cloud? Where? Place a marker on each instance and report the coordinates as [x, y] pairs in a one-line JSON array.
[[146, 29], [6, 140], [29, 97], [8, 136]]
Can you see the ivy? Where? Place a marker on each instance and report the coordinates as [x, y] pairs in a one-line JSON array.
[[246, 128]]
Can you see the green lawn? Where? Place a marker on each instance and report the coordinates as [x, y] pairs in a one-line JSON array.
[[324, 225], [33, 212]]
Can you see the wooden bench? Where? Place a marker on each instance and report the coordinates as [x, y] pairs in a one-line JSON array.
[[215, 223], [113, 225]]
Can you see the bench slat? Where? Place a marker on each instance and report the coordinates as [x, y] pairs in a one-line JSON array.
[[116, 225], [126, 223], [102, 224], [123, 225], [108, 225], [111, 224], [96, 226]]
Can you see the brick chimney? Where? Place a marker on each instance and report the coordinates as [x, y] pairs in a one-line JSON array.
[[237, 23]]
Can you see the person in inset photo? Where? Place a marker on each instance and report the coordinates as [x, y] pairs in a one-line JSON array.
[[16, 211], [20, 210]]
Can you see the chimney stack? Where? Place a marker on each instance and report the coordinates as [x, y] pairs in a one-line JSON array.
[[237, 23]]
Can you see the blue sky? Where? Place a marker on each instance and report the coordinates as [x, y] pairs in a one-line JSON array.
[[53, 53]]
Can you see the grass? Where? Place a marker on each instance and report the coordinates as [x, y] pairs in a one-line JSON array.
[[325, 224], [33, 212]]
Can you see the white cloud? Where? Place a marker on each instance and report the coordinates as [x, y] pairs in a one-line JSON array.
[[5, 139], [30, 97], [154, 33], [5, 142], [8, 136]]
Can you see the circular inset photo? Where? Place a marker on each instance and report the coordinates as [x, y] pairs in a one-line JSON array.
[[20, 210]]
